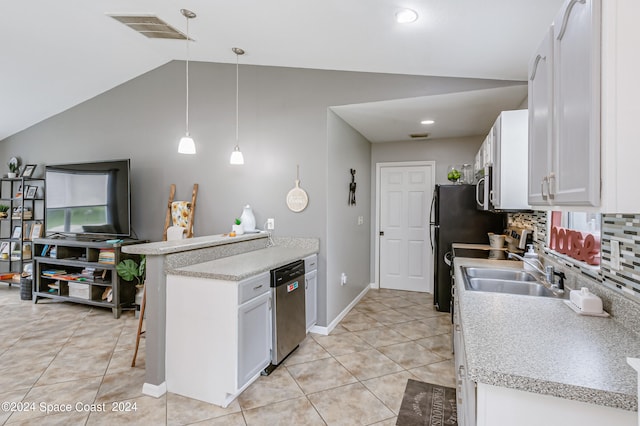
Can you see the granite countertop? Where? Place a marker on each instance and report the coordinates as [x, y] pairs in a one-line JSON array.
[[238, 267], [176, 246], [540, 345]]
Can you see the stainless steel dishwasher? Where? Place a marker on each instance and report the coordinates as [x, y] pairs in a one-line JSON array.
[[288, 313]]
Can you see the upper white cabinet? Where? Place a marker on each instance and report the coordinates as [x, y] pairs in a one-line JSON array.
[[583, 101], [509, 150], [540, 120], [576, 161]]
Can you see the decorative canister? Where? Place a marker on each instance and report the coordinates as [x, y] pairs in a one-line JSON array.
[[248, 219]]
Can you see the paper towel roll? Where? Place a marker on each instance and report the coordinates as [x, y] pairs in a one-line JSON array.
[[175, 233]]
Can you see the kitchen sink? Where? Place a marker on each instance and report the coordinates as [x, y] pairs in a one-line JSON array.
[[500, 274], [511, 281]]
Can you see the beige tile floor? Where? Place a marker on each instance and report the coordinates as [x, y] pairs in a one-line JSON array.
[[54, 354]]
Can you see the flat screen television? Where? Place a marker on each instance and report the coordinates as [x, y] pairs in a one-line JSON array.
[[88, 198]]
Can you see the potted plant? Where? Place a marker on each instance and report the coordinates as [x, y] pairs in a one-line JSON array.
[[237, 227], [14, 167], [129, 269], [3, 210]]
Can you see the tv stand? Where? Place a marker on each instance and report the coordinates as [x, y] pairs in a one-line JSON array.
[[72, 270]]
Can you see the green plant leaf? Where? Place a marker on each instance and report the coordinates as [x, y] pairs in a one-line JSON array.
[[142, 268], [128, 269]]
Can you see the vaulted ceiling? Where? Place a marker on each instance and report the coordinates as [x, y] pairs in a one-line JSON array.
[[54, 55]]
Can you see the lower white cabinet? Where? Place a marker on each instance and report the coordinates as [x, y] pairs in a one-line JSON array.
[[254, 337], [498, 406], [311, 298], [465, 388], [218, 336], [311, 290]]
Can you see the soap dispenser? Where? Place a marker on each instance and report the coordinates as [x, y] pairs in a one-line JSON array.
[[532, 256]]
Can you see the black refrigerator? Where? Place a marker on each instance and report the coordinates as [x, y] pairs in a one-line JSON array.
[[454, 218]]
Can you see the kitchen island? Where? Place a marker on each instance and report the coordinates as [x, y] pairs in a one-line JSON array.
[[208, 258], [536, 362]]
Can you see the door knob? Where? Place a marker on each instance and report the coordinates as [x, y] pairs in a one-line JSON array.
[[381, 233]]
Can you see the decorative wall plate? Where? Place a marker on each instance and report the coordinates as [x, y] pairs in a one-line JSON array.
[[297, 198]]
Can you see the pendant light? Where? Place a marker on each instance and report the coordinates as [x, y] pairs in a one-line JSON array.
[[187, 145], [236, 156]]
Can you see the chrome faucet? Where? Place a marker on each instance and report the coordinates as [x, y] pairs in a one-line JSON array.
[[547, 271]]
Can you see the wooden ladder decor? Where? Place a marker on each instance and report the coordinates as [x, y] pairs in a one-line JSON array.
[[167, 223], [192, 210]]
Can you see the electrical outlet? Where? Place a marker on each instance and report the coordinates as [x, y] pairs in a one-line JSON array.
[[343, 279], [360, 220], [271, 224], [615, 254]]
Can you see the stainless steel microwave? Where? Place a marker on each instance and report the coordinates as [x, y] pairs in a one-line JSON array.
[[483, 189]]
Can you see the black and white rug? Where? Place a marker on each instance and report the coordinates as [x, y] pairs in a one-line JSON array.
[[426, 404]]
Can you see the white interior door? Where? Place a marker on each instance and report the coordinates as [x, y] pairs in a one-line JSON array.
[[405, 253]]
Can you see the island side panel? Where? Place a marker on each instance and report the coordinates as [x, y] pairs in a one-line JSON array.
[[202, 345], [155, 324]]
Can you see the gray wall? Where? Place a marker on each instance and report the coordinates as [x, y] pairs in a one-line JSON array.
[[283, 122], [347, 242]]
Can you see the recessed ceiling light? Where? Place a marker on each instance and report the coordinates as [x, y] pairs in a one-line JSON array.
[[406, 16], [427, 122]]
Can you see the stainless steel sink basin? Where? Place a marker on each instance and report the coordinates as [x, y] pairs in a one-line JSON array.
[[499, 274], [511, 281], [509, 286]]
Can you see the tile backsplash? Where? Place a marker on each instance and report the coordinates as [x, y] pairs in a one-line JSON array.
[[624, 284], [625, 229]]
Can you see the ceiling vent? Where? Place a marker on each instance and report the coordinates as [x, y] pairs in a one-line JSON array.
[[150, 26], [419, 135]]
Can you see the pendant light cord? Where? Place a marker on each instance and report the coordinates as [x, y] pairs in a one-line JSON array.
[[237, 97], [187, 80]]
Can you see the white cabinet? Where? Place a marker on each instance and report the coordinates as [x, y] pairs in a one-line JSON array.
[[218, 335], [311, 290], [465, 388], [311, 298], [509, 173], [498, 406], [593, 149], [254, 337], [540, 121], [574, 176]]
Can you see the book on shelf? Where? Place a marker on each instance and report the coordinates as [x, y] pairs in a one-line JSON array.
[[107, 256], [53, 272]]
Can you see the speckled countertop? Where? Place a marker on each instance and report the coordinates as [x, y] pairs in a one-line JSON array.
[[540, 345], [238, 267], [176, 246]]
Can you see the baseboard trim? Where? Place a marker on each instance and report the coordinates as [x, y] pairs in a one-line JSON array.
[[155, 391], [326, 330]]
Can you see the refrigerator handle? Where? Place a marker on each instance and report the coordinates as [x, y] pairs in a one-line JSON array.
[[431, 232], [432, 209], [431, 222]]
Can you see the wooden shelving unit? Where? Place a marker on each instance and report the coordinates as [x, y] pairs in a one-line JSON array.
[[68, 269], [26, 210]]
